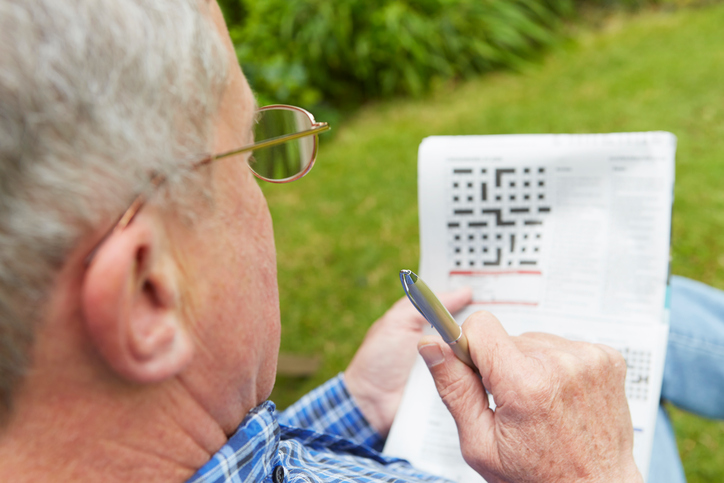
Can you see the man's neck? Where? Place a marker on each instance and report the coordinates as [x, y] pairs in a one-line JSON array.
[[137, 437]]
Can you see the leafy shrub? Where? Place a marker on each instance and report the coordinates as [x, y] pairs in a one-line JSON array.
[[343, 52], [347, 51]]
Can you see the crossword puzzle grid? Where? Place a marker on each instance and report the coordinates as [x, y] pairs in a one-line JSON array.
[[496, 216], [638, 363]]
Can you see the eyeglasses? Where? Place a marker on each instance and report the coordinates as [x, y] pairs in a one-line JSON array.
[[288, 147], [286, 152]]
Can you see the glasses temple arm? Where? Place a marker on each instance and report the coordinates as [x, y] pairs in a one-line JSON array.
[[316, 129]]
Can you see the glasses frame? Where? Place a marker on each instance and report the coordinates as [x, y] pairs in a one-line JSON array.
[[157, 180], [317, 127]]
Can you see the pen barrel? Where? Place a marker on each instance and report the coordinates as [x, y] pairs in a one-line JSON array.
[[461, 350], [435, 312]]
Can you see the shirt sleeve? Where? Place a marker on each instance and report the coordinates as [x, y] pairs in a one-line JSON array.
[[331, 409]]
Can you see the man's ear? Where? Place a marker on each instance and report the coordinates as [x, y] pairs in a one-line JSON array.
[[131, 305]]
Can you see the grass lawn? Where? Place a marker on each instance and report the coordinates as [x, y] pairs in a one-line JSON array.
[[344, 232]]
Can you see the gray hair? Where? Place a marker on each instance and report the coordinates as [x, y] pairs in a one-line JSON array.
[[95, 95]]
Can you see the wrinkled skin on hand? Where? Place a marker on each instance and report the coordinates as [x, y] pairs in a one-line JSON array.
[[377, 375], [561, 414]]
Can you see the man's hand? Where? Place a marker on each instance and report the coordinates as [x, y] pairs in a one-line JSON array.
[[377, 375], [561, 414]]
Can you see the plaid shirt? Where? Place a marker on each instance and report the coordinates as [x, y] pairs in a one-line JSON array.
[[321, 438]]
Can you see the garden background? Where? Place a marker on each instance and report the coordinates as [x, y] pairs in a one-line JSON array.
[[387, 73]]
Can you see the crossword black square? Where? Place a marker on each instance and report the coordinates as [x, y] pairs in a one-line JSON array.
[[508, 202]]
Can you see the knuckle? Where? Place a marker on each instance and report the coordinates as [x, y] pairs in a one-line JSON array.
[[475, 324], [567, 363], [542, 337], [616, 356], [609, 359], [601, 365], [483, 316], [617, 363], [571, 370], [595, 356], [478, 317]]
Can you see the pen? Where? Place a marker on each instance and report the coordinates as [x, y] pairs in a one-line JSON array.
[[435, 312]]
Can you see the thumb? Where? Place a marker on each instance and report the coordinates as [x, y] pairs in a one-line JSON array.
[[462, 391]]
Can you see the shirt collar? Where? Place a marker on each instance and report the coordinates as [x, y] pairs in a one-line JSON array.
[[250, 454]]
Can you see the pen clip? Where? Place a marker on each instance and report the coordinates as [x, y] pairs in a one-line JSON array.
[[403, 278]]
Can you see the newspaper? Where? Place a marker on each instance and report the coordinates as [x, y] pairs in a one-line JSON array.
[[566, 234]]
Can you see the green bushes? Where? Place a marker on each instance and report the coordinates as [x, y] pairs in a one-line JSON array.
[[343, 52], [346, 51]]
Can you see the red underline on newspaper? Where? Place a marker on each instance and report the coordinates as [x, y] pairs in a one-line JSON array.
[[503, 302], [498, 272]]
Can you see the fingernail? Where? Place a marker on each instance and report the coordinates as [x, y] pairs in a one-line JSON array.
[[432, 354]]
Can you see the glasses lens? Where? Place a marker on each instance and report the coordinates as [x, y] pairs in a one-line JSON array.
[[287, 160]]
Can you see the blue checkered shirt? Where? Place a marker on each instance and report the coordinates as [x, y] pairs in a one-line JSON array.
[[321, 438]]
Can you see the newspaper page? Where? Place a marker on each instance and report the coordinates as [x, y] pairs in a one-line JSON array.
[[566, 234]]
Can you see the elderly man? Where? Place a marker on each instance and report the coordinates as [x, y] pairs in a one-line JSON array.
[[144, 349]]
